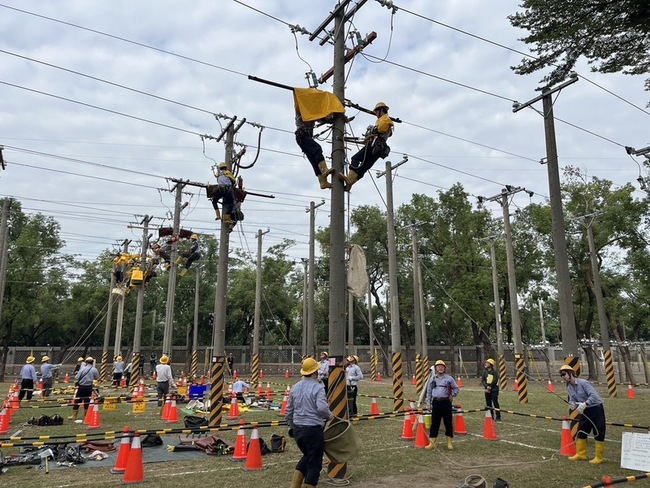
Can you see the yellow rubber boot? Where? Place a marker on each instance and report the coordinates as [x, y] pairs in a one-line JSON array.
[[227, 220], [581, 451], [324, 173], [350, 179], [600, 452], [298, 478], [450, 445], [74, 415], [432, 443]]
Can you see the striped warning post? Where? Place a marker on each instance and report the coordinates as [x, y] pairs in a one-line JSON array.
[[398, 382], [521, 378], [216, 390], [609, 372]]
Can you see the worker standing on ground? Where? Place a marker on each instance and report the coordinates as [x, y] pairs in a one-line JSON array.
[[47, 375], [165, 379], [28, 379], [306, 414], [490, 383], [238, 388], [588, 403], [353, 375], [375, 147], [324, 369], [86, 377], [441, 389], [118, 371]]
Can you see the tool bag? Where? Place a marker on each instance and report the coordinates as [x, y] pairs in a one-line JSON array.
[[278, 443], [195, 422], [380, 148]]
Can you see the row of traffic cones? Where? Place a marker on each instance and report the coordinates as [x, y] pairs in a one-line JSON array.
[[129, 459]]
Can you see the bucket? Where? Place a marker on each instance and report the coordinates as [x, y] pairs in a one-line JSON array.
[[341, 441], [427, 422]]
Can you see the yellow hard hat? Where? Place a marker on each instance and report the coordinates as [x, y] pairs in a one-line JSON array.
[[566, 367], [380, 105], [80, 359], [164, 359], [223, 165], [492, 362], [324, 354], [30, 359], [308, 367], [45, 359], [194, 237], [118, 358], [90, 359], [440, 362]]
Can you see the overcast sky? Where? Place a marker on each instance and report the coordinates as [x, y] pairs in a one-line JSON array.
[[94, 155]]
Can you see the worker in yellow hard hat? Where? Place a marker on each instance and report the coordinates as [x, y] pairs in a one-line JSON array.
[[190, 255], [353, 375], [118, 371], [222, 193], [375, 147], [490, 383], [441, 390], [28, 379], [306, 414], [85, 378], [324, 369], [165, 380], [47, 375]]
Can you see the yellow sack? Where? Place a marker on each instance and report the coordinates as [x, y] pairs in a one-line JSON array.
[[316, 104]]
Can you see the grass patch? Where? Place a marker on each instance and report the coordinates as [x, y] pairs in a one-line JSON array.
[[526, 454]]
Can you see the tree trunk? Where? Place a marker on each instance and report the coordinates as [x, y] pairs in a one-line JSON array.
[[624, 351], [592, 362]]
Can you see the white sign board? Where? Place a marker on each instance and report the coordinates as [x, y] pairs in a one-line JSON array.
[[635, 451]]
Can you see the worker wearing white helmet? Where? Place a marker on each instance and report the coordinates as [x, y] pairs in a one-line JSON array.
[[490, 383]]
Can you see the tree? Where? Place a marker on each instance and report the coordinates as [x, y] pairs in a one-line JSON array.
[[612, 36]]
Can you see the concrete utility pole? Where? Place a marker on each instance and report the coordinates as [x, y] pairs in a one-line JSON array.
[[117, 346], [305, 263], [4, 246], [395, 328], [421, 344], [194, 365], [255, 373], [512, 290], [311, 328], [139, 310], [503, 380], [565, 299], [597, 289], [168, 334]]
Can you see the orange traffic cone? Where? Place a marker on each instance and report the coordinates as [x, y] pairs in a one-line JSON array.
[[489, 430], [95, 421], [89, 412], [459, 425], [567, 445], [421, 436], [15, 401], [459, 382], [630, 391], [66, 379], [374, 408], [234, 374], [407, 429], [173, 412], [254, 458], [123, 453], [283, 407], [378, 376], [123, 383], [134, 471], [269, 392], [166, 407], [414, 380], [260, 390], [516, 385], [234, 408], [240, 453], [4, 421], [550, 388], [261, 373], [286, 374]]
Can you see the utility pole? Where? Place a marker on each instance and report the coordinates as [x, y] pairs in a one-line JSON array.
[[311, 329], [255, 373], [195, 331], [503, 380], [305, 327], [117, 346], [597, 289], [4, 246], [565, 299], [418, 316], [168, 334], [395, 329], [512, 290], [139, 310]]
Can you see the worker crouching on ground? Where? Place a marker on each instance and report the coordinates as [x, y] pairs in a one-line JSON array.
[[165, 379], [306, 414], [587, 402], [85, 378], [441, 390]]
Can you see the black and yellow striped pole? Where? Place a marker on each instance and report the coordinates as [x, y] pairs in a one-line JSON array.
[[398, 382], [373, 365], [255, 369], [503, 379], [520, 368], [609, 372], [419, 374], [337, 397], [104, 367], [216, 389], [194, 367], [135, 369]]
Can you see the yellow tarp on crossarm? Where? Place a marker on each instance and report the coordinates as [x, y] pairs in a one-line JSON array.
[[316, 104]]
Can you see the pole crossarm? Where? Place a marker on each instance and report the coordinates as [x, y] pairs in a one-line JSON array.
[[403, 161], [516, 106], [349, 55], [351, 104]]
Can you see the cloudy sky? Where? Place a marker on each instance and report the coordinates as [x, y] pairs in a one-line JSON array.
[[101, 102]]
